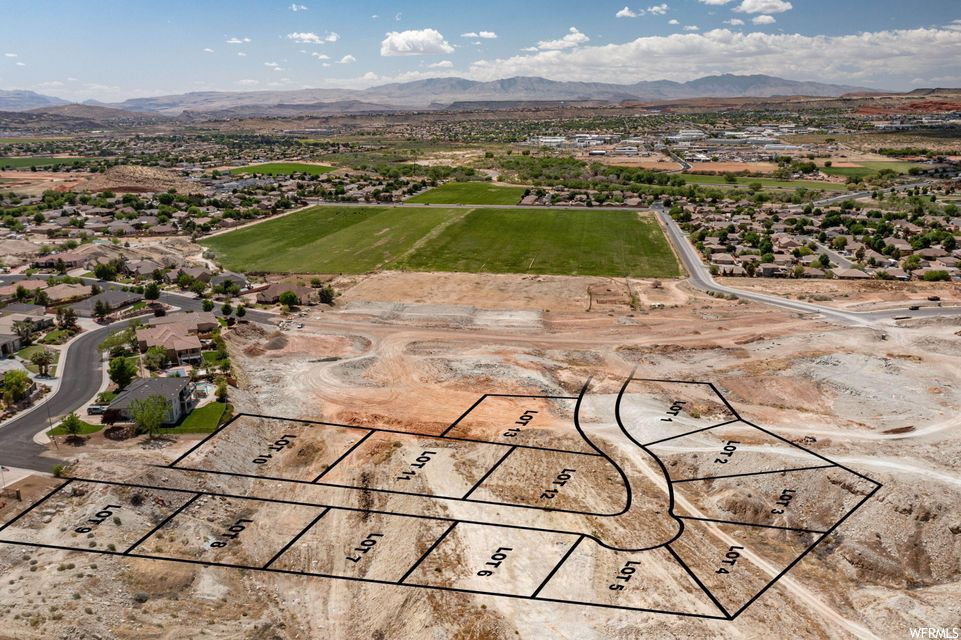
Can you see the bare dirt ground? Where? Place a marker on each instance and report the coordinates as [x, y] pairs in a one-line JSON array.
[[411, 352], [733, 167], [869, 295], [655, 163], [36, 182]]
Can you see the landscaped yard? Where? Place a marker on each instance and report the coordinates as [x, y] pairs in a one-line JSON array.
[[284, 169], [85, 429], [470, 193], [327, 239], [577, 242], [27, 352], [206, 419], [598, 241], [767, 183]]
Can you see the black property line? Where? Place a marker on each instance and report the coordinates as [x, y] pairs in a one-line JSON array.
[[751, 524], [35, 504], [806, 551], [756, 473], [463, 415], [296, 538], [689, 433], [556, 567], [204, 440], [367, 580], [161, 525], [517, 395], [354, 509], [344, 455], [430, 550], [709, 384], [433, 436], [697, 580], [813, 453], [489, 472]]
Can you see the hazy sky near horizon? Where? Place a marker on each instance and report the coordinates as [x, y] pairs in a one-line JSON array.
[[111, 50]]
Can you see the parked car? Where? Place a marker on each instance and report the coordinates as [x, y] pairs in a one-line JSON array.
[[96, 409]]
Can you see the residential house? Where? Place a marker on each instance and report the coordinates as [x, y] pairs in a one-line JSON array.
[[178, 393], [271, 294]]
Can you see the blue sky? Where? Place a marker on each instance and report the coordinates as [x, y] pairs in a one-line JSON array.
[[110, 50]]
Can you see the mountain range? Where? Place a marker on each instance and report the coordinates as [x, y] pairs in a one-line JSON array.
[[442, 92]]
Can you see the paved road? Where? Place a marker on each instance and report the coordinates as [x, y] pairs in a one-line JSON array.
[[81, 371], [700, 277]]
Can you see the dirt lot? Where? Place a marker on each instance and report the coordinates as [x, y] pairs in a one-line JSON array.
[[412, 352], [733, 167]]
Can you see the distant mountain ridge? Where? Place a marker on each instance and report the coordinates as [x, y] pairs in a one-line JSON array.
[[25, 100], [438, 92]]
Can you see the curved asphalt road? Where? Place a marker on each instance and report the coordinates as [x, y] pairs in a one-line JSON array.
[[81, 372], [701, 278]]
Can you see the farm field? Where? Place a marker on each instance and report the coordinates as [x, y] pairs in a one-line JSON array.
[[362, 239], [284, 168], [470, 193], [870, 168], [327, 239], [25, 162], [607, 243], [767, 183]]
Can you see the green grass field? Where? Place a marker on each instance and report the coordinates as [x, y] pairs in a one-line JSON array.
[[767, 183], [206, 419], [27, 352], [327, 239], [577, 242], [85, 429], [870, 168], [470, 193], [284, 169], [335, 239], [25, 162]]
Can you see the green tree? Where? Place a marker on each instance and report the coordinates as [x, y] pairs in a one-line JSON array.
[[151, 291], [72, 424], [105, 271], [288, 299], [121, 371], [16, 386], [149, 414], [101, 309], [221, 390], [226, 309], [155, 358], [208, 305], [326, 294], [24, 331], [241, 311], [42, 360], [66, 318]]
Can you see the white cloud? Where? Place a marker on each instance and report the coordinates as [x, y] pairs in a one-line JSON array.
[[414, 43], [734, 22], [487, 35], [627, 12], [658, 9], [11, 55], [691, 27], [370, 76], [208, 50], [443, 64], [298, 7], [714, 3], [764, 6], [272, 65], [348, 59], [21, 64], [673, 21], [236, 40], [883, 59], [309, 37], [763, 19], [241, 54], [574, 38], [320, 56]]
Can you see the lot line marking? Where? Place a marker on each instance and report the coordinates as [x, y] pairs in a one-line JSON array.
[[758, 473], [296, 538], [343, 455], [706, 591], [428, 552], [489, 472], [463, 415], [36, 504], [751, 524], [556, 567], [205, 440], [806, 551], [165, 521], [681, 435]]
